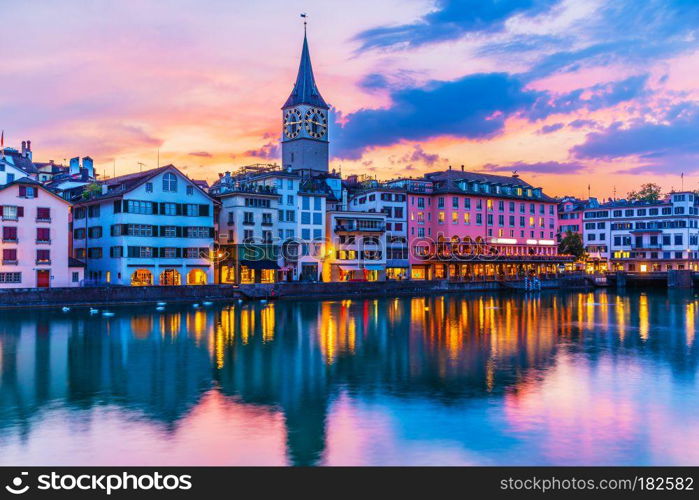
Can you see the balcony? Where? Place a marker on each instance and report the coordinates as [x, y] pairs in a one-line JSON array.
[[43, 219], [10, 262], [248, 223], [43, 242], [10, 218], [267, 223], [346, 228], [43, 262], [10, 240]]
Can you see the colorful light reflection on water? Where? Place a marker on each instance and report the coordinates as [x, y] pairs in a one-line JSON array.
[[577, 378]]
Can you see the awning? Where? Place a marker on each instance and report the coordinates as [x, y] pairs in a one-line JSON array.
[[259, 264], [374, 268], [349, 268]]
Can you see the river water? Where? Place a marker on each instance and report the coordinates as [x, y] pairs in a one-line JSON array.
[[491, 379]]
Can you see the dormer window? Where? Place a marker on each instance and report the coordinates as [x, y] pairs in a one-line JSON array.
[[170, 183]]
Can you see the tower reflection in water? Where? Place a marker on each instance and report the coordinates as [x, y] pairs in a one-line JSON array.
[[294, 360]]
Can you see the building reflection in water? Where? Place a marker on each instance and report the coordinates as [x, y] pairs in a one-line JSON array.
[[295, 359]]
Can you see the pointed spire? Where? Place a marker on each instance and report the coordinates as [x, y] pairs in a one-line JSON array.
[[305, 90]]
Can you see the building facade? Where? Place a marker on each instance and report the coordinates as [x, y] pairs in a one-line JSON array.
[[393, 203], [149, 228], [356, 246], [463, 224], [645, 236], [35, 238]]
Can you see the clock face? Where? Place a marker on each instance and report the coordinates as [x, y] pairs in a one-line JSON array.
[[316, 123], [292, 123]]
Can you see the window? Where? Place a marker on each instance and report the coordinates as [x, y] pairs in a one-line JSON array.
[[305, 217], [317, 218], [149, 187], [305, 203], [9, 234], [455, 217], [43, 214], [27, 192], [170, 183], [9, 256], [168, 252], [192, 210], [116, 252], [316, 203], [168, 231], [43, 234], [10, 212], [169, 209], [190, 190], [289, 199], [248, 218], [94, 232], [139, 230], [93, 211], [247, 236], [137, 207], [43, 256], [10, 277], [197, 232], [76, 277]]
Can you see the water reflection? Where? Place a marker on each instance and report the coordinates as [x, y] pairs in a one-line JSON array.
[[553, 378]]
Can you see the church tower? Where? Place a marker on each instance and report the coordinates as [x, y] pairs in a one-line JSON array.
[[305, 121]]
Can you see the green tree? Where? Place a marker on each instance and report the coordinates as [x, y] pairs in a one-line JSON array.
[[91, 189], [572, 244], [648, 192]]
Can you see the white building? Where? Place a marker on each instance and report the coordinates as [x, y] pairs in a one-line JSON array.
[[645, 236], [149, 228], [35, 238], [15, 164], [391, 202], [356, 246], [292, 219]]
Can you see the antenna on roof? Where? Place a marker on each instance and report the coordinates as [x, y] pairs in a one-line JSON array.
[[140, 165], [158, 158]]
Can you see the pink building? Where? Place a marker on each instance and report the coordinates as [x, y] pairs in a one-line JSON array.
[[464, 224], [35, 238]]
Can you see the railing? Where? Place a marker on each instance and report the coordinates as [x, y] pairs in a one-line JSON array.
[[43, 219], [10, 262], [43, 242], [347, 228], [43, 262]]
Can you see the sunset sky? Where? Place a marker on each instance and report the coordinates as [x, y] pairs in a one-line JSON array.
[[568, 92]]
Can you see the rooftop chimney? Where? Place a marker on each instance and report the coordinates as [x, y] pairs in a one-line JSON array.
[[449, 167], [74, 168], [462, 168], [24, 148], [88, 165], [29, 150]]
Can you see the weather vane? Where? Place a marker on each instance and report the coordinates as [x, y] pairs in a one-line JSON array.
[[304, 15]]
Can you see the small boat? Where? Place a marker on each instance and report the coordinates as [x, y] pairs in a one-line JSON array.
[[107, 314], [207, 303], [160, 308], [263, 301], [161, 304], [94, 311], [240, 301], [65, 309], [195, 306]]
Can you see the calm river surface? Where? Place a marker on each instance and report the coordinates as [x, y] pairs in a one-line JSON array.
[[552, 378]]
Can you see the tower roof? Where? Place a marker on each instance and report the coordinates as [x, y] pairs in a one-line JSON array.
[[305, 89]]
